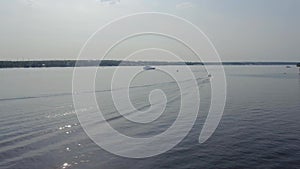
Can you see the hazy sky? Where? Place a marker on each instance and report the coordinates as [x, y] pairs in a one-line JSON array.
[[242, 30]]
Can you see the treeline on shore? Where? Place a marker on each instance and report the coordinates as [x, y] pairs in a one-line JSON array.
[[95, 63]]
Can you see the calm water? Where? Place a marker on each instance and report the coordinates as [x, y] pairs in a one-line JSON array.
[[260, 127]]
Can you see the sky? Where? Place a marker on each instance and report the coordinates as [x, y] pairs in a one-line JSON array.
[[248, 30]]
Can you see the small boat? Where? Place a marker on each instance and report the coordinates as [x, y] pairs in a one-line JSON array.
[[149, 68], [288, 67]]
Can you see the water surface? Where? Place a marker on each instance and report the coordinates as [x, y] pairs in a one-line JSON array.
[[260, 127]]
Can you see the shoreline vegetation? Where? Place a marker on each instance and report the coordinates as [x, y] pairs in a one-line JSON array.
[[97, 63]]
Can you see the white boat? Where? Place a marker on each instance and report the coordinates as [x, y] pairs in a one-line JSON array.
[[149, 68]]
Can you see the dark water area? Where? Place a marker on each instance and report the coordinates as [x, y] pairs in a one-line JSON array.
[[260, 127]]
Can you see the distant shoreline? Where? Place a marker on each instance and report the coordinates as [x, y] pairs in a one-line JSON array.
[[103, 63]]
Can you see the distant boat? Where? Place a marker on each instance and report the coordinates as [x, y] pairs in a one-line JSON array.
[[149, 68], [288, 67]]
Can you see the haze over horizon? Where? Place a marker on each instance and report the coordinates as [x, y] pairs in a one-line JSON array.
[[240, 30]]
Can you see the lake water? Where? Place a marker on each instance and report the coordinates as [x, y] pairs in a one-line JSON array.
[[260, 127]]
